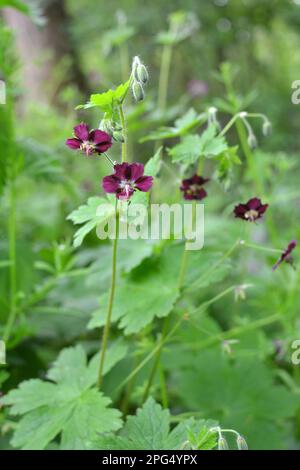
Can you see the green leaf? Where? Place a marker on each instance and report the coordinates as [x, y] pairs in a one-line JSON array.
[[227, 160], [109, 100], [67, 406], [250, 402], [90, 417], [182, 126], [41, 426], [96, 212], [150, 429], [136, 301], [195, 146]]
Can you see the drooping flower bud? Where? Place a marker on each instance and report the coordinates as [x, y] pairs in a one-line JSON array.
[[252, 141], [141, 74], [241, 443], [212, 117], [118, 136], [137, 91], [222, 443], [106, 125], [266, 127]]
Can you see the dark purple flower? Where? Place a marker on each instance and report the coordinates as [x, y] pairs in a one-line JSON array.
[[89, 142], [286, 255], [128, 177], [251, 211], [192, 188]]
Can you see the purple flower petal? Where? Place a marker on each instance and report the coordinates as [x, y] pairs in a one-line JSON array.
[[110, 184], [101, 140], [122, 171], [254, 204], [240, 210], [74, 144], [137, 171], [286, 255], [262, 209], [82, 131], [144, 183]]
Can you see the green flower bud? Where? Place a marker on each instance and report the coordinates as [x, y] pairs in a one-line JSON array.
[[118, 136], [252, 141], [141, 74], [222, 444], [107, 126], [241, 443], [266, 128], [137, 91]]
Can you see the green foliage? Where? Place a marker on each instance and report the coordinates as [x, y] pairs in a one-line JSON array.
[[67, 405], [97, 211], [182, 126], [227, 160], [109, 101], [150, 430], [248, 399], [192, 147]]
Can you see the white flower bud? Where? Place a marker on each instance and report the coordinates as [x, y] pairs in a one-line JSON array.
[[222, 444], [241, 443], [137, 91], [266, 128], [252, 141]]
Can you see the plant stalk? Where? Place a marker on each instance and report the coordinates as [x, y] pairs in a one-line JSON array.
[[110, 302]]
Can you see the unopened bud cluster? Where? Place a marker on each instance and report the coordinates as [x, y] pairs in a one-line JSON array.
[[112, 128], [222, 442], [140, 78], [266, 127]]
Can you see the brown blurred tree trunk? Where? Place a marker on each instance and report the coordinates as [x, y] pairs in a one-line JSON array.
[[42, 49]]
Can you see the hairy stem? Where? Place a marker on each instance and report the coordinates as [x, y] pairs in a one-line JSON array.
[[125, 143], [110, 303], [164, 76]]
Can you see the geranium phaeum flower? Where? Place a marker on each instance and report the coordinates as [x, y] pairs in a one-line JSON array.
[[251, 211], [286, 255], [128, 177], [89, 142], [192, 188]]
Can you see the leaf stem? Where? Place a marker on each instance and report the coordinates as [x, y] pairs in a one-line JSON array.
[[124, 127], [164, 76], [110, 302]]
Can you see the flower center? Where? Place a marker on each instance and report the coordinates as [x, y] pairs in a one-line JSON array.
[[87, 147], [251, 215], [193, 189]]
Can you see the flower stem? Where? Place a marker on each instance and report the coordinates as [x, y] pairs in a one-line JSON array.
[[110, 302], [109, 159], [12, 257], [256, 175], [260, 248], [124, 58], [164, 76], [202, 308], [124, 144]]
